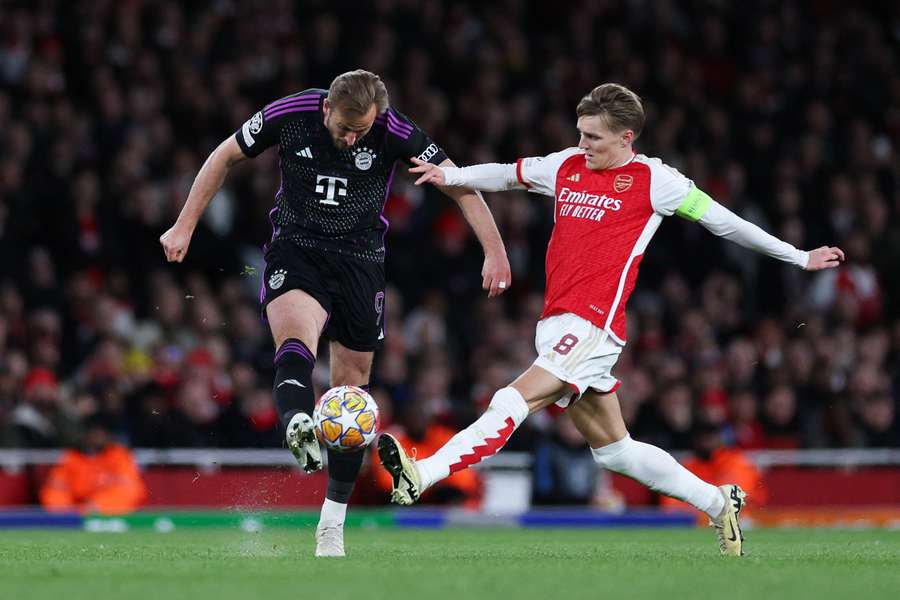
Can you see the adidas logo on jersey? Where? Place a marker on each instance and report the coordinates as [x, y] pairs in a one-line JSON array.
[[305, 153], [574, 178]]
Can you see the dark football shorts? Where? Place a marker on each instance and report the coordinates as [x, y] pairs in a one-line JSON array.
[[350, 290]]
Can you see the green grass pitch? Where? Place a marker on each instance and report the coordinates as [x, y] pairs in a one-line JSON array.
[[455, 563]]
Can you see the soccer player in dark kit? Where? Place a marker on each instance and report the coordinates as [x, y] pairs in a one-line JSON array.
[[325, 262]]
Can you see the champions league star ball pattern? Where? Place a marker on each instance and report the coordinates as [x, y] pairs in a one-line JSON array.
[[346, 418]]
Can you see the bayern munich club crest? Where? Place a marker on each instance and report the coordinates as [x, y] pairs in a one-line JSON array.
[[256, 123], [622, 183], [276, 279], [363, 158]]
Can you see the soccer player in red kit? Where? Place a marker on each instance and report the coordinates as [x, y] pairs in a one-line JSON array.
[[609, 201]]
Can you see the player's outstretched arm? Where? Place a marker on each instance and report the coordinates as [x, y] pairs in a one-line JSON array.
[[489, 177], [176, 240], [725, 223], [495, 274]]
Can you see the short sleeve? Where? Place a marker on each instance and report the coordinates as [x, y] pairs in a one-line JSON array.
[[263, 130], [408, 140], [668, 189], [538, 173], [258, 133]]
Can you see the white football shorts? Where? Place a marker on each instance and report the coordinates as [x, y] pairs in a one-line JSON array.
[[577, 352]]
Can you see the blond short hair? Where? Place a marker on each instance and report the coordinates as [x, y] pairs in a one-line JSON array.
[[354, 93], [618, 106]]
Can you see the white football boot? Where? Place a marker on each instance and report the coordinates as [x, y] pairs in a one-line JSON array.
[[330, 540], [728, 524], [301, 439], [407, 485]]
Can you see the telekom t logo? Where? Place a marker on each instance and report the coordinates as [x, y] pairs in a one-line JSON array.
[[336, 186]]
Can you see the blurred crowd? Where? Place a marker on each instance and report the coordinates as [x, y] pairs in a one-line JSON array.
[[787, 112]]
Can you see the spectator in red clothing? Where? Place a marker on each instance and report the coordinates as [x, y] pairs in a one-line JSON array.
[[855, 290], [100, 476], [745, 426], [251, 421], [43, 418]]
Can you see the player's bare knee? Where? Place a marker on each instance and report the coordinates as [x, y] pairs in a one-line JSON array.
[[349, 367], [297, 315]]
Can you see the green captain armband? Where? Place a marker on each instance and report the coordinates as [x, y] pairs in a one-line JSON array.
[[694, 204]]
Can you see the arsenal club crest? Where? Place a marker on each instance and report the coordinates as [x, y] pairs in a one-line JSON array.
[[622, 183]]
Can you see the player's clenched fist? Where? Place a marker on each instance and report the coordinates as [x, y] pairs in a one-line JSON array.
[[430, 173], [175, 244], [826, 257]]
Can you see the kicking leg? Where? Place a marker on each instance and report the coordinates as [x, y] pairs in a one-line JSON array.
[[348, 367], [296, 319], [599, 419], [532, 391]]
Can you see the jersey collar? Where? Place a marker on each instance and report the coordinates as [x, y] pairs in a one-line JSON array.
[[630, 159]]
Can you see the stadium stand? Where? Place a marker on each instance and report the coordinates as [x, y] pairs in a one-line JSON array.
[[783, 112]]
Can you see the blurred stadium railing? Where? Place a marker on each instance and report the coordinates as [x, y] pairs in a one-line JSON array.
[[823, 487]]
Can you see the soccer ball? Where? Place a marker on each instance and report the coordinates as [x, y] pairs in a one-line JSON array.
[[346, 418]]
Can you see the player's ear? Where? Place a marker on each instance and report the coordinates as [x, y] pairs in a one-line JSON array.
[[627, 137]]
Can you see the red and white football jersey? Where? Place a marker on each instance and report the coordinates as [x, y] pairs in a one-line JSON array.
[[604, 221]]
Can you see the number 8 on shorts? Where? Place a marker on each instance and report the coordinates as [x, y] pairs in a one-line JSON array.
[[565, 344]]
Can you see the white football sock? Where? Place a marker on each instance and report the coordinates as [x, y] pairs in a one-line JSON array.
[[333, 513], [659, 471], [481, 439]]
